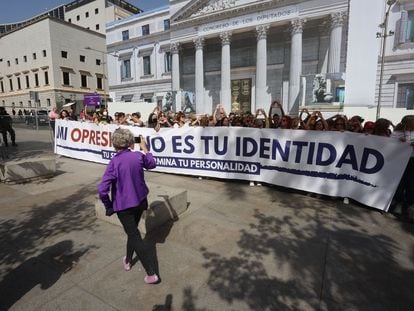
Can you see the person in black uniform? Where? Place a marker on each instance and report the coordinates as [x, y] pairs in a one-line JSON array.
[[6, 127]]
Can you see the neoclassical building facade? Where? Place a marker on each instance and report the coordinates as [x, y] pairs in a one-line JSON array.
[[246, 53], [320, 54]]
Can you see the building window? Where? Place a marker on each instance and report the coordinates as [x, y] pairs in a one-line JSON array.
[[98, 62], [84, 81], [127, 98], [2, 86], [405, 28], [70, 20], [97, 27], [86, 14], [46, 78], [405, 96], [44, 53], [147, 65], [16, 60], [126, 69], [145, 30], [125, 35], [147, 97], [168, 62], [34, 55], [166, 24], [19, 85], [27, 82], [8, 63], [36, 79], [64, 54], [78, 17], [410, 27], [48, 102], [82, 58], [66, 80], [96, 11], [11, 84], [99, 83], [25, 59]]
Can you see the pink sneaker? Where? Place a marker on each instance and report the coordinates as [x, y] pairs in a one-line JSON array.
[[127, 265], [151, 279]]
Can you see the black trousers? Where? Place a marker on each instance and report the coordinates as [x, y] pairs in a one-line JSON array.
[[129, 219], [405, 190], [12, 135]]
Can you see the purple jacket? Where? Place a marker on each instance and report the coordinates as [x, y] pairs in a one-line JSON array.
[[124, 176]]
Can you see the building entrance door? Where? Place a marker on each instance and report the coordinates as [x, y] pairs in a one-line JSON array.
[[241, 95]]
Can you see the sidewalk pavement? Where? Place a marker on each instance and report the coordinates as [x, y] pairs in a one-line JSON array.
[[235, 248]]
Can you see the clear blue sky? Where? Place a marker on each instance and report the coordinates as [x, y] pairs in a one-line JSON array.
[[18, 10]]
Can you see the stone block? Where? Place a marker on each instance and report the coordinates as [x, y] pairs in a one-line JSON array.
[[165, 204], [23, 170]]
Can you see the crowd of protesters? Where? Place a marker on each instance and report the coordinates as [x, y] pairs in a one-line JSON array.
[[306, 120], [275, 119]]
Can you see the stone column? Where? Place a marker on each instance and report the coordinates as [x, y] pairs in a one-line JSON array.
[[261, 67], [334, 61], [225, 71], [199, 75], [175, 66], [295, 65]]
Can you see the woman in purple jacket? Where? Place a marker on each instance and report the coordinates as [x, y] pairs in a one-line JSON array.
[[124, 176]]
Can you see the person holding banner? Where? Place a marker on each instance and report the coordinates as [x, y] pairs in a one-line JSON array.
[[124, 177], [404, 196], [53, 115]]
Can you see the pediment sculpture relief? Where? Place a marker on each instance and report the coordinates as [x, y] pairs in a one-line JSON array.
[[216, 5]]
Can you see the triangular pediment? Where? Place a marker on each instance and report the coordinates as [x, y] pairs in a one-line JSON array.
[[196, 9], [199, 8]]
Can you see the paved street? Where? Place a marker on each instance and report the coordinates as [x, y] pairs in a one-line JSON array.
[[235, 248]]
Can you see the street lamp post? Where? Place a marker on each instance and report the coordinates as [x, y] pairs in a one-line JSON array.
[[103, 71], [384, 34]]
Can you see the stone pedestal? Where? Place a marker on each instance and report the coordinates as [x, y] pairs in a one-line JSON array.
[[21, 171], [165, 204]]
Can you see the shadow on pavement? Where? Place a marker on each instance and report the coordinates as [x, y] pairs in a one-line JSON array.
[[167, 306], [25, 235], [303, 260], [189, 300], [29, 150], [44, 270], [154, 237]]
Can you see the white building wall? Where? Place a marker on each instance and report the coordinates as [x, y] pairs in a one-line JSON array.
[[155, 45], [363, 48], [75, 41], [399, 59], [93, 19], [96, 21], [398, 66], [53, 36]]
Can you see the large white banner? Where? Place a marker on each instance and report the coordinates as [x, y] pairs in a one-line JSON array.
[[365, 168]]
